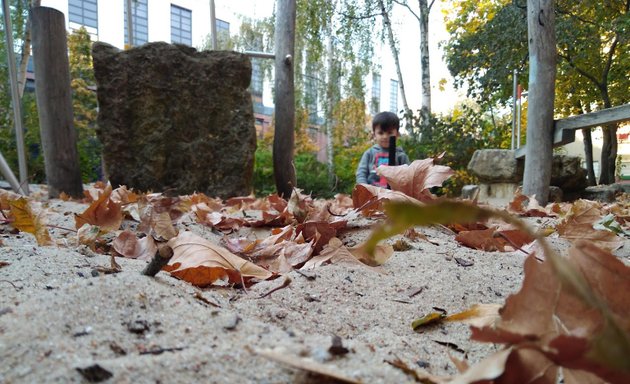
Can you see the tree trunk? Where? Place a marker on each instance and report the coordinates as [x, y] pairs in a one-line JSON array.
[[329, 113], [542, 77], [284, 137], [392, 46], [588, 156], [54, 102], [26, 50], [425, 108], [609, 154]]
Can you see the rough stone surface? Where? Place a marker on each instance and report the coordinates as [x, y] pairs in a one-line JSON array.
[[496, 166], [622, 187], [603, 193], [172, 118], [555, 194], [497, 193], [567, 173]]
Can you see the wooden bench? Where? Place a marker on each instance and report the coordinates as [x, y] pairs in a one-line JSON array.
[[564, 129]]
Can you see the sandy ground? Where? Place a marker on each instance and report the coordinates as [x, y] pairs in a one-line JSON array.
[[57, 315]]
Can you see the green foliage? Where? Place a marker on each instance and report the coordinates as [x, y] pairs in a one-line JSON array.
[[312, 176], [263, 172], [84, 104]]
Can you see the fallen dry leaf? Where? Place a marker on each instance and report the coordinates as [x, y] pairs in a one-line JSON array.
[[479, 315], [23, 218], [561, 326], [128, 245], [103, 212], [491, 240], [369, 199], [578, 225], [201, 263], [88, 234], [417, 178], [337, 253], [525, 206]]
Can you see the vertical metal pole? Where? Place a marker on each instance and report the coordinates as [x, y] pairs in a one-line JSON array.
[[15, 97], [514, 90], [129, 24], [518, 118], [213, 26]]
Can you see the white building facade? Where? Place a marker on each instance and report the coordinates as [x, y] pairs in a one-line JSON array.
[[172, 21]]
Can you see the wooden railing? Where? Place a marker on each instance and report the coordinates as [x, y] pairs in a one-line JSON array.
[[564, 129]]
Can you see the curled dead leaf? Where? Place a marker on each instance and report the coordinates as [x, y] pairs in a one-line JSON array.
[[103, 212], [202, 263], [417, 178], [128, 245]]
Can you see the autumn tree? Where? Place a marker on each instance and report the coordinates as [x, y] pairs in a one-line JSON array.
[[489, 39]]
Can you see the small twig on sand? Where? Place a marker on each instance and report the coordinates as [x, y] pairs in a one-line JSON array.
[[62, 228], [160, 350], [162, 256], [511, 242], [285, 283], [16, 287]]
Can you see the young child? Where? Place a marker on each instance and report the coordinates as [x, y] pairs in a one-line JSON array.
[[384, 125]]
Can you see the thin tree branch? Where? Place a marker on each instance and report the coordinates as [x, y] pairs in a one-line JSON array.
[[580, 70], [611, 54], [404, 4], [430, 5]]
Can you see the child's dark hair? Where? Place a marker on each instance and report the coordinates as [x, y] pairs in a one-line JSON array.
[[386, 120]]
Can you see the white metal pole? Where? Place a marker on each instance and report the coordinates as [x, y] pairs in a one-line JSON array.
[[15, 98], [213, 26], [514, 90]]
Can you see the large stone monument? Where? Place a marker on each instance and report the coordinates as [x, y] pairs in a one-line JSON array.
[[172, 118], [500, 175]]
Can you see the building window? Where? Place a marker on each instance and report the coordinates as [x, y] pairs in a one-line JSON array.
[[393, 95], [223, 34], [83, 12], [181, 25], [140, 20], [375, 103], [257, 77]]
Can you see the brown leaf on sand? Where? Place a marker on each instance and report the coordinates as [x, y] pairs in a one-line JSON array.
[[416, 178], [337, 253], [128, 245], [25, 220], [368, 198], [103, 212], [562, 328], [201, 263], [491, 240], [525, 206], [578, 225]]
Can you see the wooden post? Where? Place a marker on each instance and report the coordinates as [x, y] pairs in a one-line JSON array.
[[54, 102], [284, 136], [542, 77]]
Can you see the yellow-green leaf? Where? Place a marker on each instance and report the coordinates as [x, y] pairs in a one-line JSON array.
[[26, 221]]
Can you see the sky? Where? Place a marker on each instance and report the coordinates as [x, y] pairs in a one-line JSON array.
[[406, 30]]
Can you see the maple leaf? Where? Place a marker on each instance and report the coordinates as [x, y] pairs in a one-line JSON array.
[[525, 206], [103, 212], [202, 263], [579, 222], [337, 253], [564, 328], [128, 245], [492, 240], [205, 215], [25, 220], [416, 178], [369, 199]]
